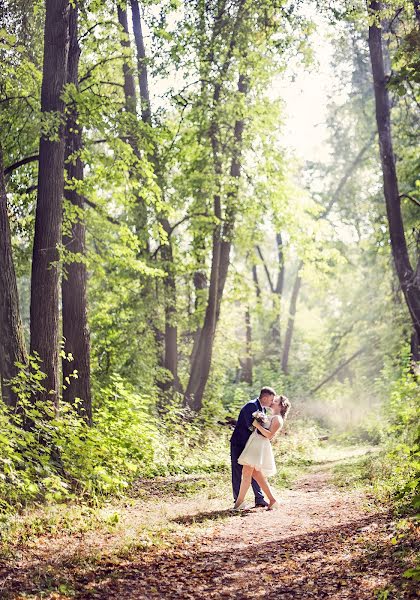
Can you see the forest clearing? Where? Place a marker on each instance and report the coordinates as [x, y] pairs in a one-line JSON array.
[[209, 281]]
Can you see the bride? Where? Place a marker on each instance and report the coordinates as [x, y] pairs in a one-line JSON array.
[[257, 457]]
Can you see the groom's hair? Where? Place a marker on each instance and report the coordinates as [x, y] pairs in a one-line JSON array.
[[267, 391]]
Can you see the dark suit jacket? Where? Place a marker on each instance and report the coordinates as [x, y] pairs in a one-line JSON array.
[[242, 432]]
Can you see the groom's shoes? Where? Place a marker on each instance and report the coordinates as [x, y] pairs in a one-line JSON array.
[[261, 504]]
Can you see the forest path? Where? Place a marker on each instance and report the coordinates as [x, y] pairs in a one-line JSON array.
[[323, 542]]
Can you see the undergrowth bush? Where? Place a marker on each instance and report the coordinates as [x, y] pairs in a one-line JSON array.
[[53, 457], [393, 472]]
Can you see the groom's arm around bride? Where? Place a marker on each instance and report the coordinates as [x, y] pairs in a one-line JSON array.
[[240, 437]]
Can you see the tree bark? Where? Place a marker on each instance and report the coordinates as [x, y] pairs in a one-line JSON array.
[[74, 283], [12, 343], [291, 322], [44, 313], [407, 277]]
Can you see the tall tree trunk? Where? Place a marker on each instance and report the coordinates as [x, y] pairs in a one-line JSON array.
[[200, 366], [278, 290], [280, 258], [44, 311], [222, 242], [129, 86], [141, 63], [246, 364], [409, 283], [74, 283], [171, 330], [291, 322], [200, 284], [256, 281], [12, 343]]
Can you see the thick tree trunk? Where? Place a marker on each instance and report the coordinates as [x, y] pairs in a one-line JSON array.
[[291, 322], [406, 275], [44, 311], [12, 343], [74, 283]]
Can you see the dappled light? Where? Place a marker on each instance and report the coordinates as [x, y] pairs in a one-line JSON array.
[[209, 299]]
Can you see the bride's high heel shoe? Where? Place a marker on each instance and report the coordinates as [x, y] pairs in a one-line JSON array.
[[240, 507]]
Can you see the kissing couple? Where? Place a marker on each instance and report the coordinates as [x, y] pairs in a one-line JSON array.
[[250, 448]]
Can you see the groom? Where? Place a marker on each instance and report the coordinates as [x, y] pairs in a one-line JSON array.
[[240, 437]]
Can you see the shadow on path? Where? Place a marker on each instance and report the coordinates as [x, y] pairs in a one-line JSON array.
[[344, 561]]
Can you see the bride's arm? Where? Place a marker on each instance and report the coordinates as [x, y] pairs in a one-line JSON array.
[[268, 433]]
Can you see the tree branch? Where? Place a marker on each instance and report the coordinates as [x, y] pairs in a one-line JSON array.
[[346, 177], [334, 373], [410, 198], [20, 163], [267, 272]]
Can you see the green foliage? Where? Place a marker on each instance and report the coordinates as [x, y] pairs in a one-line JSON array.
[[56, 457], [393, 471]]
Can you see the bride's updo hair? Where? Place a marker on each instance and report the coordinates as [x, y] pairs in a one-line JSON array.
[[284, 405]]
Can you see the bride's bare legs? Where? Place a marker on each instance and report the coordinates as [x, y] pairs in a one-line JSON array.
[[248, 473], [263, 483]]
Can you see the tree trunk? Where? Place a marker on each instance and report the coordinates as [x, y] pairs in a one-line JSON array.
[[200, 366], [141, 63], [246, 364], [222, 242], [12, 343], [406, 275], [129, 86], [74, 283], [256, 282], [278, 290], [291, 322], [280, 256], [44, 311], [171, 330]]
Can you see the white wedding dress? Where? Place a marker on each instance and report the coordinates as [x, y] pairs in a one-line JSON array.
[[258, 452]]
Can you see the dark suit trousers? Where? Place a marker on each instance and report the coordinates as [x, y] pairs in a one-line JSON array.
[[235, 452]]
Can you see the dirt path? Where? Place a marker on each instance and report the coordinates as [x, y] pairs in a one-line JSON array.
[[322, 543]]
